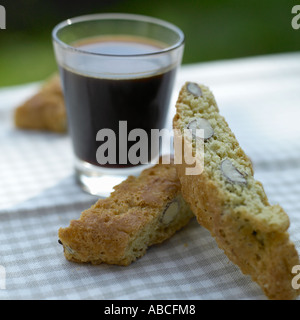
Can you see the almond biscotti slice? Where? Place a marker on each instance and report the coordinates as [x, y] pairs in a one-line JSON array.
[[229, 202], [45, 110], [142, 211]]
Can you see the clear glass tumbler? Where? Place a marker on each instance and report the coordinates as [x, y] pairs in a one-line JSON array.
[[117, 73]]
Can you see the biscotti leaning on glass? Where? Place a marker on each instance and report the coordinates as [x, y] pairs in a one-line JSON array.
[[141, 212], [45, 110], [228, 201]]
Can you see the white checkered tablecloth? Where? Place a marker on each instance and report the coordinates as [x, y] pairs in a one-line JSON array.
[[260, 98]]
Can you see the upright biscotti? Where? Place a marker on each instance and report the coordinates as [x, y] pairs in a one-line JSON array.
[[229, 202], [45, 110], [142, 211]]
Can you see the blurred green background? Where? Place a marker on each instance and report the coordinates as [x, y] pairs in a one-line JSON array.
[[214, 29]]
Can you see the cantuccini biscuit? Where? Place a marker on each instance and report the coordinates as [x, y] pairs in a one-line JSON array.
[[142, 211], [229, 202], [45, 110]]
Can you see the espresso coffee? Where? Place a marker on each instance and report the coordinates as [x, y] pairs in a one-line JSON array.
[[97, 102]]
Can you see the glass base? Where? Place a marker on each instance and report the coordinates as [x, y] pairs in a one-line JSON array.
[[100, 181]]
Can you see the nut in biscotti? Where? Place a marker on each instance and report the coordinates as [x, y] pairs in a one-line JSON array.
[[194, 89], [170, 212], [203, 124], [231, 173]]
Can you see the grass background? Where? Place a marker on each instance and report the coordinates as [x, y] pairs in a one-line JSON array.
[[214, 29]]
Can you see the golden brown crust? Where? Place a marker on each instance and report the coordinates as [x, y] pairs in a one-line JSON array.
[[120, 228], [45, 110], [252, 233]]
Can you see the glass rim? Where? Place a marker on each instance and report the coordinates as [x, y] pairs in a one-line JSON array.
[[117, 16]]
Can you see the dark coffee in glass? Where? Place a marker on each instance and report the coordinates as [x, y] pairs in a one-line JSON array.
[[117, 70], [94, 103]]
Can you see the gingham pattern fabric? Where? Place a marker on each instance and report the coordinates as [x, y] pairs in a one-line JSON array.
[[260, 99]]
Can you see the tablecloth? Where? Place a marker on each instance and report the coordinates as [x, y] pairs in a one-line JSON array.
[[259, 97]]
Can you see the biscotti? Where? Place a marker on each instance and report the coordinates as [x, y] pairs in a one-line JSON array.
[[229, 202], [45, 110], [142, 211]]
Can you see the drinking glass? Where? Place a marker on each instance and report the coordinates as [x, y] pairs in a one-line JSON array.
[[117, 73]]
